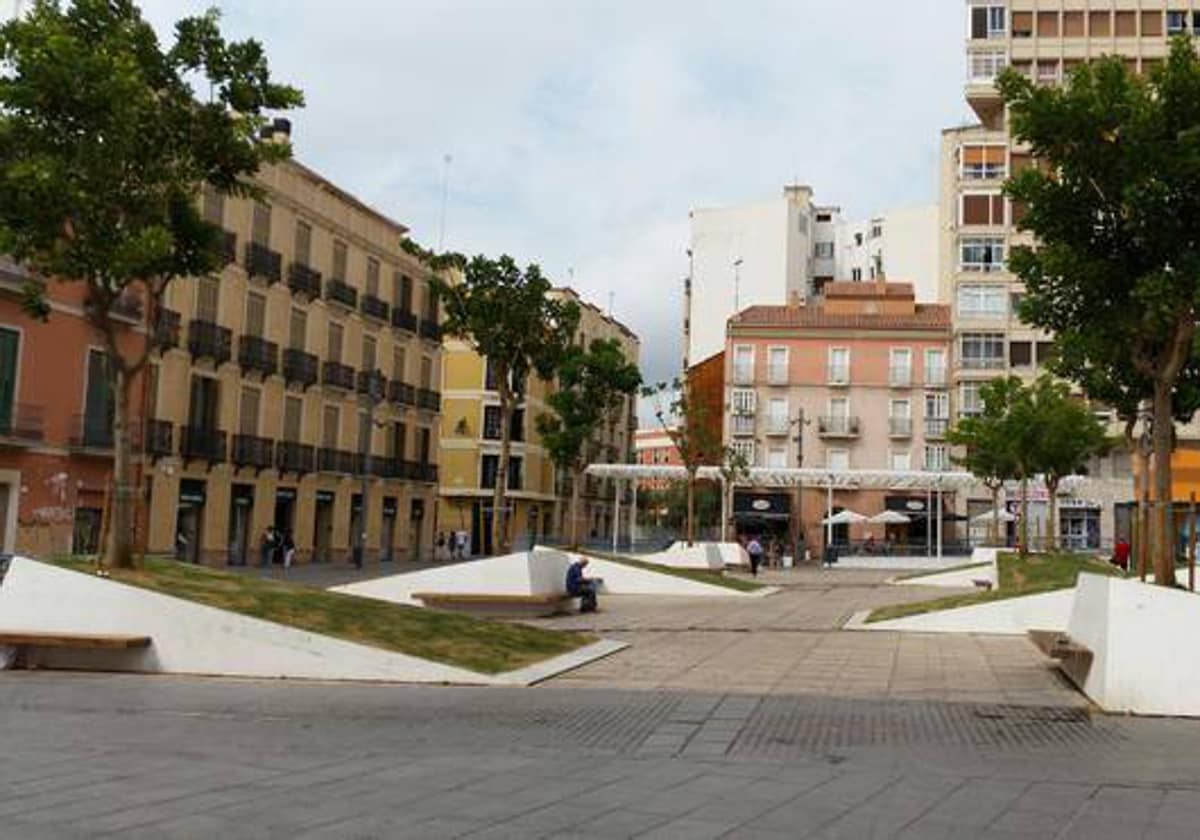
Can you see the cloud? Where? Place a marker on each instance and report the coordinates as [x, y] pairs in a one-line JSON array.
[[582, 133]]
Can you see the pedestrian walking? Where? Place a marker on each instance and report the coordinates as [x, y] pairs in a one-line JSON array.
[[289, 550], [439, 547], [755, 550], [266, 547]]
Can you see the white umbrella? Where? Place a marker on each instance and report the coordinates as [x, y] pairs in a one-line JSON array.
[[846, 517], [991, 515], [890, 517]]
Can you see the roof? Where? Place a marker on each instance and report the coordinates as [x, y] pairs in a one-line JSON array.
[[928, 316], [851, 289], [342, 195]]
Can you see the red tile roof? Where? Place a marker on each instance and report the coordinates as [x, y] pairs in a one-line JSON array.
[[928, 316], [851, 289]]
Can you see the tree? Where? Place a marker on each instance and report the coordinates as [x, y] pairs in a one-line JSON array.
[[685, 421], [591, 389], [987, 445], [104, 145], [506, 315], [1115, 206], [1067, 436]]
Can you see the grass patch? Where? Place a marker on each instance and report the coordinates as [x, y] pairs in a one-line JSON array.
[[923, 573], [1029, 575], [698, 575], [486, 647]]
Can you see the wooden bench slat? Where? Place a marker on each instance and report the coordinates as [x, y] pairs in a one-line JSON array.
[[479, 598], [72, 640]]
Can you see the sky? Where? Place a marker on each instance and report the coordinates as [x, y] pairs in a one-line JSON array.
[[581, 132]]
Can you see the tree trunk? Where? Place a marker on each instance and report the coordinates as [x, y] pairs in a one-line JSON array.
[[691, 509], [1163, 541], [499, 493], [576, 477], [119, 550], [1052, 520], [1024, 540]]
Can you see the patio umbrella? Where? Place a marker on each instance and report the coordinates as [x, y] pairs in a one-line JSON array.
[[846, 517], [890, 517], [985, 518]]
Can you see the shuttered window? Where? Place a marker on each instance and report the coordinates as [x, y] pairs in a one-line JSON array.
[[334, 350], [292, 412], [368, 353], [298, 329], [248, 418], [213, 206], [208, 295], [256, 314], [373, 277], [303, 253], [1047, 24], [340, 259], [329, 431], [984, 162], [399, 364], [1099, 24], [260, 230], [983, 209]]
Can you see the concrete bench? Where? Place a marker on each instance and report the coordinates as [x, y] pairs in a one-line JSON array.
[[28, 642], [517, 606], [1074, 659]]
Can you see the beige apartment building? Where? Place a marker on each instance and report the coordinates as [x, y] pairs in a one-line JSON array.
[[537, 496], [308, 367], [1044, 39]]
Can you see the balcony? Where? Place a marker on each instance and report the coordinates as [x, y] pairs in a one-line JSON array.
[[982, 363], [299, 368], [936, 427], [900, 377], [336, 461], [743, 375], [431, 330], [742, 425], [370, 383], [401, 393], [339, 291], [198, 443], [777, 375], [228, 247], [207, 340], [429, 400], [838, 375], [160, 439], [91, 431], [262, 262], [935, 377], [778, 426], [428, 473], [294, 457], [304, 281], [838, 427], [166, 329], [900, 427], [22, 423], [402, 319], [374, 307], [337, 375], [258, 354], [252, 451]]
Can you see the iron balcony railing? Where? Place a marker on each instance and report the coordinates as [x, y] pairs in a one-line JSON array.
[[936, 427], [92, 431], [375, 307], [160, 438], [207, 340], [304, 281], [335, 461], [166, 329], [838, 427], [202, 443], [252, 451], [337, 375], [262, 262], [402, 319], [228, 247], [258, 354], [431, 330], [299, 368], [742, 424], [294, 457], [778, 426], [371, 384], [900, 427], [935, 377], [838, 375], [429, 400], [900, 377], [339, 291], [401, 393]]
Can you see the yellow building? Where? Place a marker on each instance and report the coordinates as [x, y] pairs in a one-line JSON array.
[[319, 340], [470, 448]]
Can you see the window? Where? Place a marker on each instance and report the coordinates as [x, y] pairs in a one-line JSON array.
[[372, 277], [900, 418], [982, 163], [491, 423], [839, 411], [1020, 354], [900, 367], [982, 209], [986, 65], [334, 351], [208, 296], [293, 408], [937, 414], [858, 239], [1152, 24], [330, 427], [1047, 24], [969, 401], [777, 458], [777, 365], [937, 457], [298, 329], [1072, 25], [981, 253], [901, 409], [982, 351], [399, 364], [876, 230], [303, 253], [340, 260], [248, 416], [488, 465], [424, 442], [213, 206], [1177, 22], [777, 416], [856, 275], [744, 448], [369, 347], [899, 461], [398, 441], [823, 250], [839, 365], [837, 460], [256, 314], [743, 401], [1046, 353], [989, 21], [260, 230], [743, 365], [935, 367], [824, 217], [402, 292], [98, 398], [1100, 24], [1022, 24], [426, 372], [979, 301], [364, 432], [1049, 72], [515, 476], [1126, 24], [431, 303]]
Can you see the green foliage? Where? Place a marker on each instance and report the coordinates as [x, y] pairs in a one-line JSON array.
[[1065, 433], [104, 142], [674, 500], [987, 439]]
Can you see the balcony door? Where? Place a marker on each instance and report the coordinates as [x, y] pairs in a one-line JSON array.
[[10, 342], [98, 402], [204, 406]]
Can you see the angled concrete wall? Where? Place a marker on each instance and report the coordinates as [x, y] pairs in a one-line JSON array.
[[1008, 617]]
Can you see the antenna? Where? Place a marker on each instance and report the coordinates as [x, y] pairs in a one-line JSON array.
[[447, 159]]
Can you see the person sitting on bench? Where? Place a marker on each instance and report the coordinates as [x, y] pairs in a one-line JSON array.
[[581, 587]]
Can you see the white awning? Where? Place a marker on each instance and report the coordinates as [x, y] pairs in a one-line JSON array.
[[792, 477], [845, 517]]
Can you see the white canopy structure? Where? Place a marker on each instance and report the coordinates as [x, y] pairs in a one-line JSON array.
[[890, 517], [795, 477], [993, 516], [845, 517]]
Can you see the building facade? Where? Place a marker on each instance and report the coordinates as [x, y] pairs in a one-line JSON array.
[[856, 381], [785, 251], [655, 448], [537, 494]]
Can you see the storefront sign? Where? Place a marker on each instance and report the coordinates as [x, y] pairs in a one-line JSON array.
[[191, 492], [325, 496]]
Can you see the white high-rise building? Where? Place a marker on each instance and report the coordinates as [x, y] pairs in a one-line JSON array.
[[786, 249]]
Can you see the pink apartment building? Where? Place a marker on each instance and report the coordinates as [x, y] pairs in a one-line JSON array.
[[856, 381], [654, 447]]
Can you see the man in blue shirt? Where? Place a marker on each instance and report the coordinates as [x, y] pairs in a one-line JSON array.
[[581, 587]]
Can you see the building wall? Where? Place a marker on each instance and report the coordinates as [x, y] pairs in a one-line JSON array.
[[655, 447], [706, 386]]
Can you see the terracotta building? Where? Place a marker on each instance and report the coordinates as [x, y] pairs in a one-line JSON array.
[[655, 448]]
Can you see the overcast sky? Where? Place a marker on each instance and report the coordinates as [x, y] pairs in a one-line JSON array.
[[583, 131]]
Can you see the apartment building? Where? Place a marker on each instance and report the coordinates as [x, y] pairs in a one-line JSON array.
[[856, 381], [785, 250], [536, 493], [656, 448], [300, 375]]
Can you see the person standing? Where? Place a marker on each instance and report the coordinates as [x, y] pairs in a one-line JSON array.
[[266, 547], [755, 550], [289, 550]]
